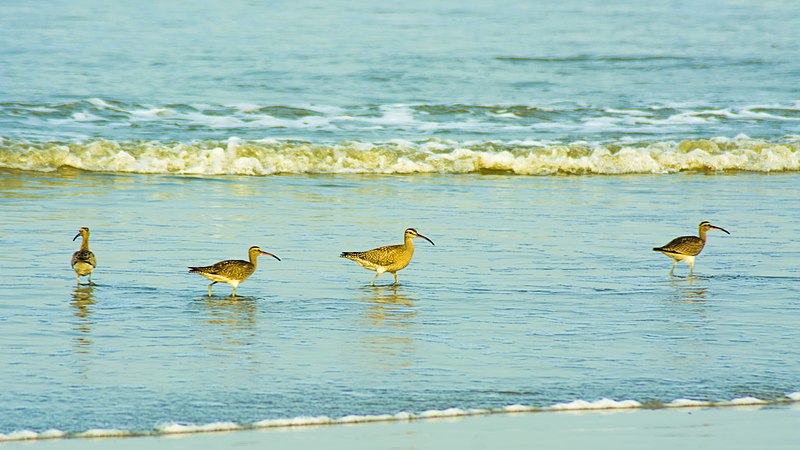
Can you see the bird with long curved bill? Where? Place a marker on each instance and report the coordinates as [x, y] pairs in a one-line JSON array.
[[83, 261], [390, 258], [231, 271], [686, 248]]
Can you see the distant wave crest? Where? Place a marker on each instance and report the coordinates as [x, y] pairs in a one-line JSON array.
[[267, 157], [564, 121]]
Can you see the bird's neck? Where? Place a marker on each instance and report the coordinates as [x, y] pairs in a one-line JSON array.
[[254, 259], [409, 243], [703, 234], [85, 243]]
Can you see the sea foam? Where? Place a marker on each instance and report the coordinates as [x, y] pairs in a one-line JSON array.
[[267, 157], [603, 404]]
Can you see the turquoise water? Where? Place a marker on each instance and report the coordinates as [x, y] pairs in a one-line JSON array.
[[358, 70], [545, 149]]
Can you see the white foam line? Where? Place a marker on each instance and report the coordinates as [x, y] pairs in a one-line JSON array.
[[744, 401], [686, 403], [603, 404], [22, 435], [104, 433], [176, 428], [293, 422]]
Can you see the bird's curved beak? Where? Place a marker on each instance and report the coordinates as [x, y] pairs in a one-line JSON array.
[[269, 254], [423, 237], [720, 229], [76, 237]]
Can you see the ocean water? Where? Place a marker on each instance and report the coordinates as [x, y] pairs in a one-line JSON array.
[[544, 148]]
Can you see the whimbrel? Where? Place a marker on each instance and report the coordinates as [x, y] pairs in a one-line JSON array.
[[686, 248], [231, 271], [83, 261], [387, 259]]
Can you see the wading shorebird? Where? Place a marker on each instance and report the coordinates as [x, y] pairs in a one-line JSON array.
[[83, 261], [231, 271], [387, 259], [686, 248]]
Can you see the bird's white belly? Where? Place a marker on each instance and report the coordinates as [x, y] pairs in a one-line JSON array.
[[678, 257], [220, 279], [370, 266]]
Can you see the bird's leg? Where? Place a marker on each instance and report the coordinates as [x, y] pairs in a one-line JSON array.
[[209, 287], [691, 268], [233, 294], [90, 280], [78, 277], [396, 281], [672, 271], [372, 283]]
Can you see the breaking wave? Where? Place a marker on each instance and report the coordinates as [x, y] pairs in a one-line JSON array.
[[267, 157]]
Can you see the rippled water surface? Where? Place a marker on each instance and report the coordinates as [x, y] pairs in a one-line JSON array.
[[538, 291]]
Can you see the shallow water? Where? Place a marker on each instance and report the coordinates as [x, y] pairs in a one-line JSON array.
[[545, 149], [539, 290]]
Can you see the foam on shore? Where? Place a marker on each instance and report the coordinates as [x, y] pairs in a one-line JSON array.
[[603, 404]]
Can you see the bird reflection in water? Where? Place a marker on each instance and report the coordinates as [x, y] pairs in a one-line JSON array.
[[686, 292], [393, 313], [687, 316], [232, 318], [83, 302]]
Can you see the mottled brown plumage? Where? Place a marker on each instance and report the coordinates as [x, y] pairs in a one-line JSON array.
[[686, 248], [390, 258], [83, 261], [231, 271]]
